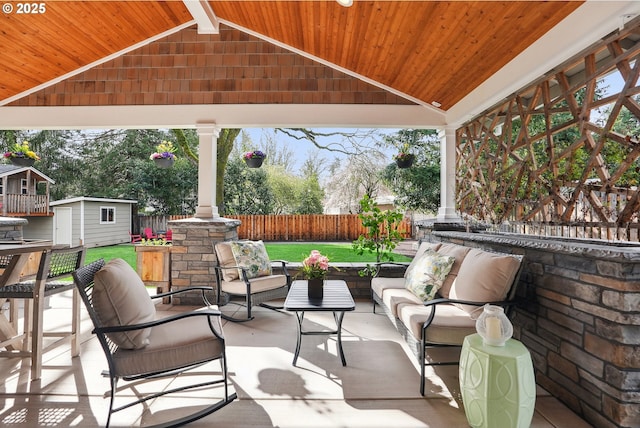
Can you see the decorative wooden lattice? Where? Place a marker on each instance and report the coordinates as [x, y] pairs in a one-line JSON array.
[[563, 151]]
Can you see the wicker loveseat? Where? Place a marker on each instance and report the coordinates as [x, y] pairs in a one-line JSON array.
[[475, 277]]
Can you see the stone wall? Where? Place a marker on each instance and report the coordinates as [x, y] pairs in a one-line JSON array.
[[192, 257], [11, 229], [579, 318]]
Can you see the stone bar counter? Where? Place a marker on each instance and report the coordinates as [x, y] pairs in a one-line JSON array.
[[579, 317]]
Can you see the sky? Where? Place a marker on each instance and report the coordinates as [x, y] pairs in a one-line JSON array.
[[303, 148]]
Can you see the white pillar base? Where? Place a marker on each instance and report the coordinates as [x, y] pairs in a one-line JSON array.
[[448, 215], [206, 212]]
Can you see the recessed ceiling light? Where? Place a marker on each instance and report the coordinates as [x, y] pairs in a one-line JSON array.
[[435, 104], [345, 3]]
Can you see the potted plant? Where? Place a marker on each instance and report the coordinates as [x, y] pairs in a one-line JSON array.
[[164, 157], [381, 237], [153, 262], [254, 159], [404, 160], [314, 270], [21, 155]]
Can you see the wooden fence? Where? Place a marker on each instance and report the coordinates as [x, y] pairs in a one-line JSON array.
[[313, 227]]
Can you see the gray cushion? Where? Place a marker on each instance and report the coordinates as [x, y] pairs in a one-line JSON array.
[[226, 259], [172, 345], [379, 284], [392, 297], [262, 283], [458, 252], [120, 298], [450, 324], [484, 277]]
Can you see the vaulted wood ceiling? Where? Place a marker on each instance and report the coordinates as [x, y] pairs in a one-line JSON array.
[[433, 53]]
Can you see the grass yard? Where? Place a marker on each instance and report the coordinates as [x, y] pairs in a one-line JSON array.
[[337, 252], [289, 251]]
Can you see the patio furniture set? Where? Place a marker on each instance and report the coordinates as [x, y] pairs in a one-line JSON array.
[[496, 379], [139, 346]]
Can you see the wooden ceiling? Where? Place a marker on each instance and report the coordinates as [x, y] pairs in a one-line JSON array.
[[427, 51]]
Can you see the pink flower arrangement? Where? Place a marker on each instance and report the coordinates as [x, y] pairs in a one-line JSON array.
[[256, 154], [315, 266]]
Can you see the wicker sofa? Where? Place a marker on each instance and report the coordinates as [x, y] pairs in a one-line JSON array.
[[476, 277]]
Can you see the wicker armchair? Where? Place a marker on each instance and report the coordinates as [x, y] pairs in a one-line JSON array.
[[140, 347], [254, 287]]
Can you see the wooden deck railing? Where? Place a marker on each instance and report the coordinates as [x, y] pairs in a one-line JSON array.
[[25, 204]]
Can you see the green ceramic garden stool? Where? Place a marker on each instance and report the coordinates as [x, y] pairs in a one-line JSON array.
[[497, 383]]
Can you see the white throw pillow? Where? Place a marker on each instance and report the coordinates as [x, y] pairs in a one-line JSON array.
[[421, 249], [120, 298], [428, 274]]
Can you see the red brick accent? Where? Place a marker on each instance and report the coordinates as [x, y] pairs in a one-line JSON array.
[[228, 68]]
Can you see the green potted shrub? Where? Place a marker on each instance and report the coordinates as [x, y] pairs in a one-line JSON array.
[[382, 235]]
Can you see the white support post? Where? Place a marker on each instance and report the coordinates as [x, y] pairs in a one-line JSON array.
[[447, 211], [207, 170]]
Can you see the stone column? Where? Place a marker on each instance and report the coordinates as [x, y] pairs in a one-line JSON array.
[[192, 257], [207, 170]]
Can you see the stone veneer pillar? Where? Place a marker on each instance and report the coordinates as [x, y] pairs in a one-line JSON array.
[[192, 257]]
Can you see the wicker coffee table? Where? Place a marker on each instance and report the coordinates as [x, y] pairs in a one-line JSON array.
[[337, 299]]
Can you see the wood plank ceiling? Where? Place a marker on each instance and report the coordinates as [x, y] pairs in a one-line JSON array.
[[428, 51]]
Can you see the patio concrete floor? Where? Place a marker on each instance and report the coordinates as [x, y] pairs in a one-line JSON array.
[[378, 387]]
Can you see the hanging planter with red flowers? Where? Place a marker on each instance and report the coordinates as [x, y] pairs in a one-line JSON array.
[[254, 159]]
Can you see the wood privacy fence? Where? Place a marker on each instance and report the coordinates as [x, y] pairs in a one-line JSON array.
[[312, 227]]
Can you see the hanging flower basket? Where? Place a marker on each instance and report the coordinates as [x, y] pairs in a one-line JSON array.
[[254, 162], [164, 162], [254, 159], [22, 161], [164, 157], [404, 160], [20, 154]]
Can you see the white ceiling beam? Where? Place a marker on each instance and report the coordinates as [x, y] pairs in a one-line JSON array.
[[204, 16], [225, 115]]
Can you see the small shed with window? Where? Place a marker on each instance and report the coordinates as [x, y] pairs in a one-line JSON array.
[[93, 222]]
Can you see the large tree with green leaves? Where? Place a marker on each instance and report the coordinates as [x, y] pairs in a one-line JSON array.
[[418, 187]]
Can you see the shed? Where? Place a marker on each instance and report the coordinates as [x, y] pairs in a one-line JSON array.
[[93, 222]]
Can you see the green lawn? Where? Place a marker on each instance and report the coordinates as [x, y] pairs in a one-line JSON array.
[[291, 252], [337, 252]]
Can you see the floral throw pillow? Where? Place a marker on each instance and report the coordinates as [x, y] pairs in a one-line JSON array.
[[428, 274], [253, 257]]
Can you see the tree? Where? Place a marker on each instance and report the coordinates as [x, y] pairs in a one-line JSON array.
[[350, 181], [381, 236], [416, 188], [284, 187], [310, 196], [246, 189]]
